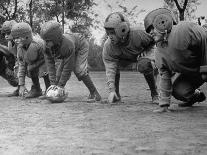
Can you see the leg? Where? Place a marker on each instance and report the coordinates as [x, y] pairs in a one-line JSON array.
[[145, 67], [117, 80], [11, 75], [47, 81], [185, 88], [35, 91], [91, 87], [7, 73], [12, 79], [81, 71]]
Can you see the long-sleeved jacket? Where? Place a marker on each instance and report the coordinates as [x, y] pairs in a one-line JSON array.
[[30, 57], [185, 52], [65, 52], [139, 41]]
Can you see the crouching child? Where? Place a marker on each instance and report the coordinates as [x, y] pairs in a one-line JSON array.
[[30, 58], [72, 52]]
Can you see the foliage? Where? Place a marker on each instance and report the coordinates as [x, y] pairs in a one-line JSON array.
[[77, 11], [132, 13], [95, 56], [183, 9]]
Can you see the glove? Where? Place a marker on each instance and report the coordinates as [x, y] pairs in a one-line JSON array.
[[113, 97], [23, 91]]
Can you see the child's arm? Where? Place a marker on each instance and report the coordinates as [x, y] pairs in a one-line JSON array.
[[67, 67], [50, 62]]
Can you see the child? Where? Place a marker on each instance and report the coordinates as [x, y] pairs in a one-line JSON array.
[[8, 57], [30, 58], [181, 50], [72, 51], [124, 46]]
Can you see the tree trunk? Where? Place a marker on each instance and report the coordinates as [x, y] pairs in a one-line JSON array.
[[181, 10], [31, 14], [63, 13], [181, 16]]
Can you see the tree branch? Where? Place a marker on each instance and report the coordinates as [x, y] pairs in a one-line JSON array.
[[177, 4], [185, 4], [6, 10], [15, 10]]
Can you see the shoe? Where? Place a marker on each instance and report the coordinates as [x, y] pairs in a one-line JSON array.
[[94, 96], [155, 97], [34, 92], [15, 93], [198, 97]]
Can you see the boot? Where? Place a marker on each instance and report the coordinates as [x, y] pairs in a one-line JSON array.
[[47, 85], [153, 88], [93, 91], [198, 96], [15, 93], [34, 92]]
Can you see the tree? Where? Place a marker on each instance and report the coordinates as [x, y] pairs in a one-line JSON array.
[[65, 11], [184, 8], [9, 8], [95, 60], [78, 11], [131, 11]]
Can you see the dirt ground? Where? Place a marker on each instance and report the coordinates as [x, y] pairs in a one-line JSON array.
[[75, 127]]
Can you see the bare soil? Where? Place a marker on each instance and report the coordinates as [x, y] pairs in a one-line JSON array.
[[76, 127]]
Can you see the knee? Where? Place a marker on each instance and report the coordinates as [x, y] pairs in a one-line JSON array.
[[145, 66], [178, 94], [182, 94]]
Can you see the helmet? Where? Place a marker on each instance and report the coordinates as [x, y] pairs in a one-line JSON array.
[[21, 30], [7, 26], [52, 30], [149, 18], [119, 23], [163, 23]]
